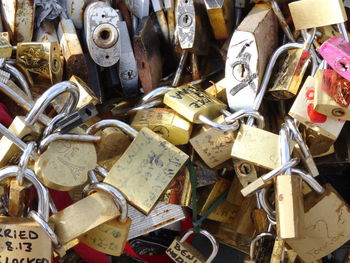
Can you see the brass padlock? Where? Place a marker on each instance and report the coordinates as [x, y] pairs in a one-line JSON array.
[[40, 62], [5, 45], [191, 103], [278, 251], [166, 122], [218, 90], [110, 237], [180, 251], [152, 170], [327, 221], [18, 18], [24, 239]]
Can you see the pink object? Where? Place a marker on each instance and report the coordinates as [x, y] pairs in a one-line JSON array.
[[336, 51]]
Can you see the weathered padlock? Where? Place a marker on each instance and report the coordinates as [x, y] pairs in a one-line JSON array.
[[152, 170], [253, 253], [162, 21], [18, 18], [180, 251], [23, 239], [102, 33], [115, 139], [5, 45], [169, 7], [193, 104], [246, 60], [288, 196], [278, 251], [166, 122], [220, 17], [147, 54], [327, 221], [25, 126], [110, 237]]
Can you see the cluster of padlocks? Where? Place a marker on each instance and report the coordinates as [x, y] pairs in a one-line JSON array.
[[128, 127]]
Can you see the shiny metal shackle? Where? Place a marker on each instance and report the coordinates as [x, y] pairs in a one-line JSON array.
[[247, 113], [126, 128]]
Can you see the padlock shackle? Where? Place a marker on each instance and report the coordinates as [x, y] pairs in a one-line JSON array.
[[20, 78], [343, 31], [46, 98], [309, 179], [265, 204], [211, 238], [222, 127], [43, 193], [285, 153], [254, 241], [118, 197], [93, 129], [146, 105], [246, 113], [158, 92]]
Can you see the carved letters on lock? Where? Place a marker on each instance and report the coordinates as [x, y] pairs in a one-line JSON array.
[[182, 252]]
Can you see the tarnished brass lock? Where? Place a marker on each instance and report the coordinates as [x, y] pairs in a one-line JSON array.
[[5, 45], [24, 239], [191, 103], [327, 226], [166, 122], [278, 251], [221, 16], [153, 169], [40, 62], [102, 33], [147, 54], [247, 59], [110, 237], [18, 18], [180, 251], [332, 94]]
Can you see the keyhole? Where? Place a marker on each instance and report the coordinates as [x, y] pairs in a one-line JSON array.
[[245, 169], [186, 19], [342, 64], [242, 71]]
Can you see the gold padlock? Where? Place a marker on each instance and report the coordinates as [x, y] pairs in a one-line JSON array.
[[191, 102], [5, 45], [218, 90], [110, 237], [180, 251], [152, 170], [165, 122]]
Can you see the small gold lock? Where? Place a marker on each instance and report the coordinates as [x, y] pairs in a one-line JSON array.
[[5, 45], [190, 102], [165, 122]]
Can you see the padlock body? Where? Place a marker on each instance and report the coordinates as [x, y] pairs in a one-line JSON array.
[[184, 252]]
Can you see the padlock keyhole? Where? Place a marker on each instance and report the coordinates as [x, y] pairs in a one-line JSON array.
[[105, 34]]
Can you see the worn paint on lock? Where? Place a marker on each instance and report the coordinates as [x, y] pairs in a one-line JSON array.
[[332, 95], [290, 74], [150, 163], [183, 252], [213, 145], [327, 226], [249, 51], [23, 240], [179, 191], [165, 122], [190, 102], [303, 111], [226, 211], [108, 238], [64, 165], [5, 45], [257, 146], [316, 13]]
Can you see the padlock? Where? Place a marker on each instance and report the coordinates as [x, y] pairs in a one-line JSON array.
[[220, 17], [290, 75], [179, 192], [23, 238], [41, 63], [86, 214], [5, 45], [74, 11], [192, 103], [140, 9], [114, 141], [246, 60], [102, 33], [332, 94], [169, 7], [326, 228], [147, 54], [27, 126], [162, 21], [17, 194], [180, 251], [65, 159], [253, 253], [218, 90], [75, 62], [226, 211], [303, 18], [166, 122], [128, 73], [288, 196], [18, 19], [110, 237], [152, 170], [191, 25], [278, 251]]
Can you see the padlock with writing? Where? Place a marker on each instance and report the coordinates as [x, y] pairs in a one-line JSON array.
[[110, 237], [180, 251], [152, 170], [166, 122], [23, 239]]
